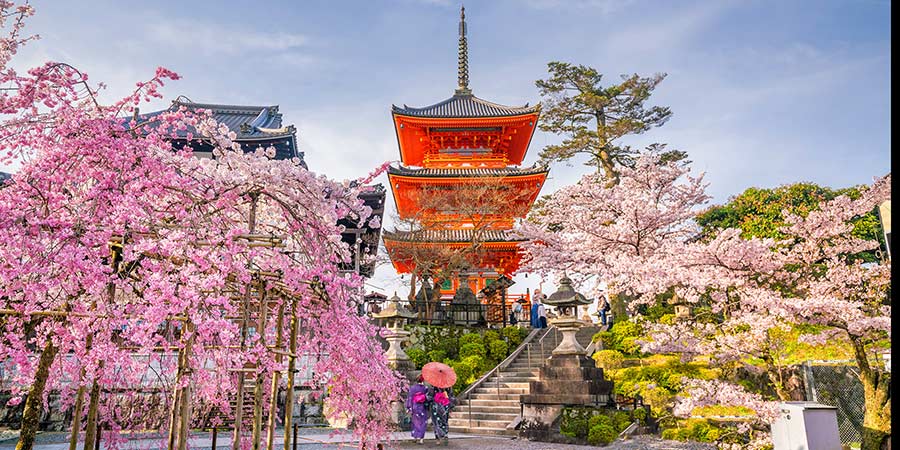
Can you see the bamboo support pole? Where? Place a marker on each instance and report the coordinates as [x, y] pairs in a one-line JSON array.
[[292, 366], [276, 379], [185, 409], [259, 385], [239, 403]]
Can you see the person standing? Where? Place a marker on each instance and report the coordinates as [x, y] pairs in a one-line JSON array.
[[441, 402], [535, 304], [602, 309], [542, 316], [516, 313], [417, 406]]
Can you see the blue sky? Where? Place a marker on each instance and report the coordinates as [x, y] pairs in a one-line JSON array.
[[763, 92]]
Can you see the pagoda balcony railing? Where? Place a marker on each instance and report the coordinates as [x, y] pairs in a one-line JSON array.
[[445, 312], [437, 160]]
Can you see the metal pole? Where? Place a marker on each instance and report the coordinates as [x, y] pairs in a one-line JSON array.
[[503, 305], [469, 401], [528, 350], [214, 432], [295, 436]]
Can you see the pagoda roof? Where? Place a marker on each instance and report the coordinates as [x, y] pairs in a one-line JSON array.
[[467, 172], [465, 105], [451, 235]]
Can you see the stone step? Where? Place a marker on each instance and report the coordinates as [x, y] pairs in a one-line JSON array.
[[515, 410], [487, 431], [482, 401], [503, 383], [513, 379], [479, 416], [479, 392], [495, 424], [492, 396]]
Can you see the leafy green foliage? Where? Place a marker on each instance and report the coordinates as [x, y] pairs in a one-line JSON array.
[[621, 337], [437, 355], [640, 415], [600, 419], [601, 435], [659, 380], [498, 349], [700, 430], [473, 349], [514, 336], [582, 422], [417, 356], [608, 359], [469, 338], [758, 212]]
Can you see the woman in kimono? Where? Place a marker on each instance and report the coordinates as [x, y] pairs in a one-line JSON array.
[[417, 406], [442, 401]]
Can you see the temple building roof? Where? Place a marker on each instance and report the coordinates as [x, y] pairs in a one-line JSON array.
[[254, 125], [473, 172], [466, 106]]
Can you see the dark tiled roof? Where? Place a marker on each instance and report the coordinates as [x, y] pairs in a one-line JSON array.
[[254, 125], [4, 176], [249, 122], [467, 235], [462, 105], [467, 171]]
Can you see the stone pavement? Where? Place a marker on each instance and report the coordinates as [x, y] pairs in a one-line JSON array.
[[317, 440]]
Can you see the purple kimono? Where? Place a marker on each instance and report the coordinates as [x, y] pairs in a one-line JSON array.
[[417, 406]]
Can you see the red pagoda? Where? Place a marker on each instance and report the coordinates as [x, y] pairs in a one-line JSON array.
[[463, 145]]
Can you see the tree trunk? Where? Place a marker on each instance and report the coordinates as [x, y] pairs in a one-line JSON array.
[[31, 417], [877, 419], [877, 395], [90, 432]]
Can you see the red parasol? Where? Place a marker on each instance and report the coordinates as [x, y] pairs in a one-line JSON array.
[[439, 374]]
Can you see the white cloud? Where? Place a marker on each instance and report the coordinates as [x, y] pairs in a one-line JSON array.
[[212, 39]]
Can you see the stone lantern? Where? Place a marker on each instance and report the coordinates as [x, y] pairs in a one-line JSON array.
[[569, 377], [393, 317], [567, 301]]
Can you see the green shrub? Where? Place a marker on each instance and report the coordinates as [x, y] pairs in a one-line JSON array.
[[608, 359], [623, 336], [621, 420], [478, 364], [472, 349], [417, 356], [498, 349], [469, 338], [599, 419], [514, 336], [640, 415], [463, 374], [575, 420], [601, 435], [437, 355], [490, 336]]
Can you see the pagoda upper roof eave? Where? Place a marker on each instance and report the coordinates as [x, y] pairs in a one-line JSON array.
[[465, 106]]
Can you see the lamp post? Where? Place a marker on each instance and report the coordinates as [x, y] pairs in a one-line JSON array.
[[567, 301]]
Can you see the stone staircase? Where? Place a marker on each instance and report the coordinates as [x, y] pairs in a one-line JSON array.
[[493, 407]]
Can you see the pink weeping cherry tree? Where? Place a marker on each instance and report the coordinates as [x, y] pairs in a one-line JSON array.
[[116, 244]]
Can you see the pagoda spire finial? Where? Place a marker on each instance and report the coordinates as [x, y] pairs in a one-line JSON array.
[[463, 72]]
